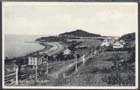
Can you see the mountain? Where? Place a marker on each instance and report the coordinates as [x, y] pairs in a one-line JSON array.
[[62, 37], [79, 33], [129, 39]]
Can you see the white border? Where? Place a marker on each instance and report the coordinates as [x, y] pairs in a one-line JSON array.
[[67, 87]]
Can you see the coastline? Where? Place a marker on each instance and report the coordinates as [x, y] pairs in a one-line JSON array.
[[46, 47]]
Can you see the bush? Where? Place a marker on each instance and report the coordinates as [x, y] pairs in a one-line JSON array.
[[118, 79]]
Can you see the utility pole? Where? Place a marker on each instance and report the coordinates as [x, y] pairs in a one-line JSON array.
[[36, 68], [47, 65], [17, 76], [83, 58], [76, 63], [91, 51]]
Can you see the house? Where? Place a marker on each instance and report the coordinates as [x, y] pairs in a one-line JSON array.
[[105, 43], [95, 52], [122, 41], [36, 59], [66, 52], [118, 44]]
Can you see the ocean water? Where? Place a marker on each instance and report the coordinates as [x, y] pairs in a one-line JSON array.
[[17, 45]]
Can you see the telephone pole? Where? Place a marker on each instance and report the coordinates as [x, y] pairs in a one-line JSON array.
[[36, 70], [76, 63], [17, 76], [83, 58], [47, 66]]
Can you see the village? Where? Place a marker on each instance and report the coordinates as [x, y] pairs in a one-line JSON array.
[[62, 61]]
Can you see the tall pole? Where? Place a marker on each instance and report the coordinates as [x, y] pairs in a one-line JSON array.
[[91, 51], [76, 63], [47, 66], [36, 69], [83, 58], [17, 76]]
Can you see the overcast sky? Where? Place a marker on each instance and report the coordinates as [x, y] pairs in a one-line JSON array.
[[51, 19]]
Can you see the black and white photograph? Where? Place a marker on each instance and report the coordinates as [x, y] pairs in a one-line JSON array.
[[70, 45]]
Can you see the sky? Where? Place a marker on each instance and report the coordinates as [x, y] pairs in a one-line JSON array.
[[110, 19]]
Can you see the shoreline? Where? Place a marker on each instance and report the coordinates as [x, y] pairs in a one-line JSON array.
[[26, 55]]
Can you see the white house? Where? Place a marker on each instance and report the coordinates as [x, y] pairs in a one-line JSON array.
[[122, 41], [119, 44], [35, 60], [67, 52], [105, 43]]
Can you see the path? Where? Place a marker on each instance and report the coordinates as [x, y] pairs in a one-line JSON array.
[[65, 68]]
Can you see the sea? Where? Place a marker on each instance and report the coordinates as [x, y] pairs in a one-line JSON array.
[[20, 45]]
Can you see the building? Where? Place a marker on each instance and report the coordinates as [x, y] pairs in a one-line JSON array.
[[36, 59], [118, 44], [122, 41], [66, 52], [95, 52], [105, 43], [82, 46]]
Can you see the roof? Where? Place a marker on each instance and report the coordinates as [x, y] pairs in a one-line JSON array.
[[118, 43], [67, 51], [122, 41], [37, 55]]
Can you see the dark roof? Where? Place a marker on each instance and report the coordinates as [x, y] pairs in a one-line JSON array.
[[37, 55]]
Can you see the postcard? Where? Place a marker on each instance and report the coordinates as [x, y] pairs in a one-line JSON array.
[[70, 45]]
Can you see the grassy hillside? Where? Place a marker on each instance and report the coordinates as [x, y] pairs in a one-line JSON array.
[[68, 35], [51, 39], [80, 33], [129, 39]]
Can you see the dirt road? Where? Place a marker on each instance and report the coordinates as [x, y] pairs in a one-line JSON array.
[[65, 68]]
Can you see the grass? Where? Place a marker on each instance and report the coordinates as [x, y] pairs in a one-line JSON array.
[[100, 71], [122, 73]]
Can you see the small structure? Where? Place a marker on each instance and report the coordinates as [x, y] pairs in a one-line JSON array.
[[67, 52], [95, 52], [118, 44]]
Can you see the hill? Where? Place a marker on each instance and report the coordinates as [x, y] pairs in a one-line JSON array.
[[62, 37], [51, 39], [129, 39], [79, 33]]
